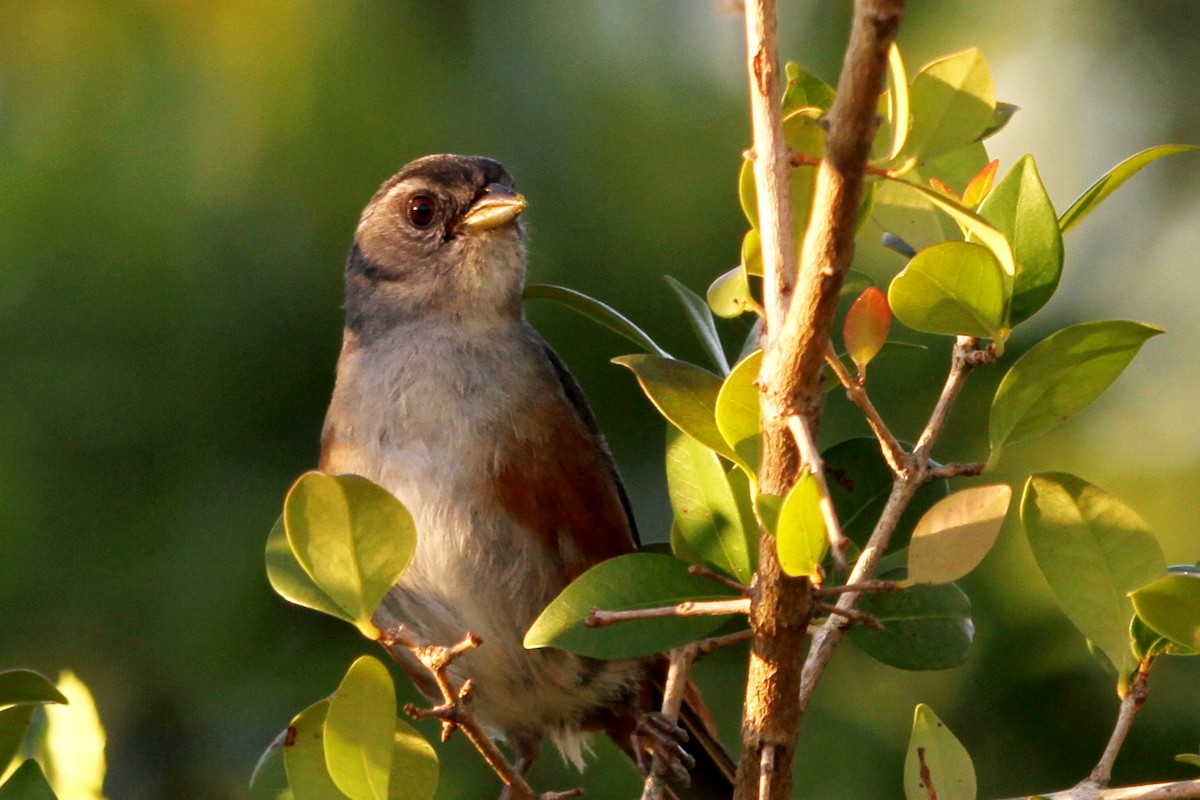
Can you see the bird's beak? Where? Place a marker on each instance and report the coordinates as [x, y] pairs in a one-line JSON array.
[[498, 205]]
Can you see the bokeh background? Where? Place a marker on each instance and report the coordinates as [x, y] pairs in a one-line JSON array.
[[178, 187]]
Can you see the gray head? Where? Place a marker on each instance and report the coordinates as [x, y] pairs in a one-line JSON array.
[[442, 236]]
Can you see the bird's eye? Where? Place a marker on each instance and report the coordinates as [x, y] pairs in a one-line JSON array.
[[421, 210]]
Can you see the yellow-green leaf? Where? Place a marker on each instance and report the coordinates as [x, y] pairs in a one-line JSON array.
[[952, 288], [800, 535], [595, 310], [737, 411], [359, 727], [304, 756], [73, 744], [291, 582], [1171, 606], [954, 536], [1112, 180], [937, 765], [953, 103]]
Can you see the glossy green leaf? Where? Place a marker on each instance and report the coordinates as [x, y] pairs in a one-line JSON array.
[[953, 103], [14, 724], [899, 110], [1060, 376], [953, 288], [27, 783], [73, 743], [352, 537], [304, 756], [291, 582], [269, 780], [937, 765], [804, 90], [752, 252], [865, 329], [954, 536], [683, 393], [699, 314], [1149, 643], [971, 223], [800, 535], [1112, 180], [415, 768], [706, 509], [1093, 550], [729, 295], [803, 133], [859, 482], [737, 411], [925, 627], [635, 581], [20, 686], [358, 731], [596, 311], [1020, 209], [1171, 606]]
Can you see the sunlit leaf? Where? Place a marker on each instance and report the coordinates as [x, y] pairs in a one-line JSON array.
[[898, 104], [304, 756], [980, 185], [1171, 606], [803, 134], [683, 393], [358, 731], [804, 90], [1112, 180], [706, 509], [73, 743], [20, 686], [800, 535], [1149, 643], [415, 769], [953, 103], [925, 627], [937, 765], [971, 223], [859, 483], [699, 314], [954, 536], [1020, 209], [27, 783], [635, 581], [737, 411], [729, 295], [353, 538], [1189, 758], [291, 582], [866, 327], [596, 311], [1093, 550], [1060, 376], [953, 288]]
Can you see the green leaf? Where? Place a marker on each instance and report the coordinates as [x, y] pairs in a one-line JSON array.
[[21, 686], [699, 314], [269, 779], [1093, 550], [865, 329], [935, 755], [1112, 180], [683, 393], [804, 90], [304, 756], [596, 311], [1149, 643], [73, 743], [358, 730], [859, 483], [705, 507], [803, 134], [952, 288], [800, 535], [1171, 606], [954, 536], [1021, 210], [352, 537], [953, 103], [737, 412], [634, 581], [14, 724], [291, 582], [27, 783], [729, 295], [899, 111], [414, 765], [979, 229], [925, 627], [1004, 114], [1060, 376], [1189, 758]]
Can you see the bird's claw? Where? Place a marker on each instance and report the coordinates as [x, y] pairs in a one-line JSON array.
[[658, 737]]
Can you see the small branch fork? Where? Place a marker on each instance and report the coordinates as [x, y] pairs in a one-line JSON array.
[[455, 710]]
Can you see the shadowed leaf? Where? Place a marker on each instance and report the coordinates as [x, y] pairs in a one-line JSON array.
[[935, 755]]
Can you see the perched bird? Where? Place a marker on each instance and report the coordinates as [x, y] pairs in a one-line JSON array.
[[449, 399]]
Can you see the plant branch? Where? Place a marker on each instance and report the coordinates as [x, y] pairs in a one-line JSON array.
[[716, 577], [893, 452], [1131, 704], [690, 608], [1179, 790]]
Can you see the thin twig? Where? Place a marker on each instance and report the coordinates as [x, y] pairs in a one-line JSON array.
[[681, 659], [893, 452], [955, 470], [716, 577], [1179, 790], [691, 608], [811, 456], [852, 616], [1131, 704], [863, 586], [714, 643]]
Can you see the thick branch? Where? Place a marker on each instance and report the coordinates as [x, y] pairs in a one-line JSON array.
[[1181, 790]]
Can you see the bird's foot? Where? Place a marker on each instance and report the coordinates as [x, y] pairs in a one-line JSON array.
[[658, 739]]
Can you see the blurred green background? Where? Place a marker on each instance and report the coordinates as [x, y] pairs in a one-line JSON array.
[[179, 184]]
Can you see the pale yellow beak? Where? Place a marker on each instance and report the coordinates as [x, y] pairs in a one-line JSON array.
[[498, 205]]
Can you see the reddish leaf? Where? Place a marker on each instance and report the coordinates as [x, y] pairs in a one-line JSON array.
[[866, 327], [940, 185], [980, 185]]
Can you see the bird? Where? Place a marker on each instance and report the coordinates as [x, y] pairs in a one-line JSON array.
[[447, 397]]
